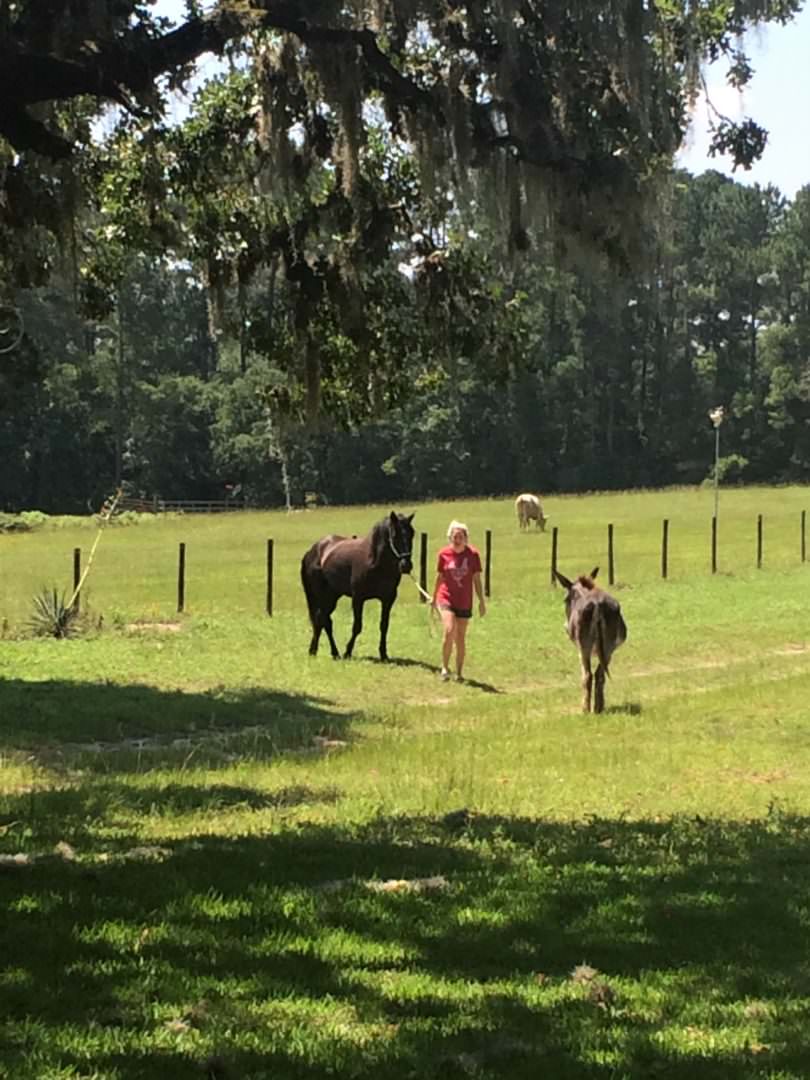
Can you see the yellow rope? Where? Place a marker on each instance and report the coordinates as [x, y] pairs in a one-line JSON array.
[[107, 512], [432, 612]]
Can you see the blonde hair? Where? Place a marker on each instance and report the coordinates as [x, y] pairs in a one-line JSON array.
[[451, 528]]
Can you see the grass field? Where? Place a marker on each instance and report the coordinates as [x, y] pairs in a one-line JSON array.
[[222, 858]]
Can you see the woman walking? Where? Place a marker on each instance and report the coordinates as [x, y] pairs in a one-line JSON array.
[[458, 573]]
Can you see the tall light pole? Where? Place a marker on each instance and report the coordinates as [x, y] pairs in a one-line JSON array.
[[717, 416]]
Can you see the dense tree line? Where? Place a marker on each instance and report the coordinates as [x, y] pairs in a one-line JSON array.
[[467, 374], [393, 250]]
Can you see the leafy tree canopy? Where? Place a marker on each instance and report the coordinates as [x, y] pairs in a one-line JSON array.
[[563, 113]]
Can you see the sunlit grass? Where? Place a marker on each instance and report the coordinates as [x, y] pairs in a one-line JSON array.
[[219, 857]]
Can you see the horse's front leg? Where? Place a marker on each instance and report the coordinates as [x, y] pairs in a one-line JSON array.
[[385, 616], [587, 682], [357, 625]]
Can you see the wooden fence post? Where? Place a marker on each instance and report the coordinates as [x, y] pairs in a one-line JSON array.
[[181, 578], [714, 544], [77, 575], [423, 557], [487, 562], [610, 555], [269, 577], [665, 548], [553, 554], [759, 541], [804, 547]]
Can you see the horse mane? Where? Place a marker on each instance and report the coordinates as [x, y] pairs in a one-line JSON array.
[[378, 539]]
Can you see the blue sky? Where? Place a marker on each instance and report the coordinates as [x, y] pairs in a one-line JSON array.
[[778, 98]]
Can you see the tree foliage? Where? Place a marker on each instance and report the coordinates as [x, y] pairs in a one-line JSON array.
[[563, 115], [343, 269], [552, 379]]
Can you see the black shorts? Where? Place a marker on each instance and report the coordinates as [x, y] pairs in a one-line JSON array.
[[459, 612]]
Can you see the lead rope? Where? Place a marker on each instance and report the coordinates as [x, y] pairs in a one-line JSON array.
[[432, 612]]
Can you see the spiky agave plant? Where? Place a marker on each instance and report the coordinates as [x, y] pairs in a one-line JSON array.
[[53, 615], [56, 617]]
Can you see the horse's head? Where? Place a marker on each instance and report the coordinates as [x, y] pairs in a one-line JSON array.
[[400, 539]]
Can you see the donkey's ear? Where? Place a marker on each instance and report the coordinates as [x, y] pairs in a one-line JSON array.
[[409, 518], [393, 517], [595, 571], [563, 580]]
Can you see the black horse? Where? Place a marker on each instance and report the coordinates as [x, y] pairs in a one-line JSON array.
[[367, 569]]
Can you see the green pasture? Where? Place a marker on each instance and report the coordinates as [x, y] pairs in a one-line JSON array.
[[222, 858], [135, 571]]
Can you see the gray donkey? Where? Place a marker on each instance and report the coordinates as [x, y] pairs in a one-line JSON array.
[[595, 625]]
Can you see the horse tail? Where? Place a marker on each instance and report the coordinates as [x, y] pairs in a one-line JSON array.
[[601, 651], [306, 571]]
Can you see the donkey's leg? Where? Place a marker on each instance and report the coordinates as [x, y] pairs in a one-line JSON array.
[[599, 690], [385, 615], [357, 625], [587, 682]]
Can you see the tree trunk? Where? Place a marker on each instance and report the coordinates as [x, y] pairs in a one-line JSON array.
[[313, 384], [243, 346], [211, 326], [119, 398]]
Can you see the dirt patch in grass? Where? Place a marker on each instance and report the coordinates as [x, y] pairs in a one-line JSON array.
[[159, 627], [791, 649], [208, 738], [773, 776]]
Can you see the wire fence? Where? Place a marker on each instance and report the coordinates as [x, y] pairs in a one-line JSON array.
[[200, 573], [155, 505]]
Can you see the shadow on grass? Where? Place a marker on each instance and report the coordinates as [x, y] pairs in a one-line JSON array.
[[274, 957], [629, 708], [433, 668], [130, 726], [487, 688], [400, 661], [74, 812]]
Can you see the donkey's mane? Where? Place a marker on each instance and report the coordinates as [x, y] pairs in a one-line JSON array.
[[586, 582]]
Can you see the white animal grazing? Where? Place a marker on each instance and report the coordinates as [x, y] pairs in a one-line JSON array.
[[528, 508]]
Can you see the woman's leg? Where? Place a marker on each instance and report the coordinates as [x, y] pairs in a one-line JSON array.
[[448, 637], [461, 646]]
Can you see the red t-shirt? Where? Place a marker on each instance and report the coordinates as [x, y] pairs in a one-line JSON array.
[[456, 586]]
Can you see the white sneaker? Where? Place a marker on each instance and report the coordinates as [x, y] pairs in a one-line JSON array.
[[445, 675]]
